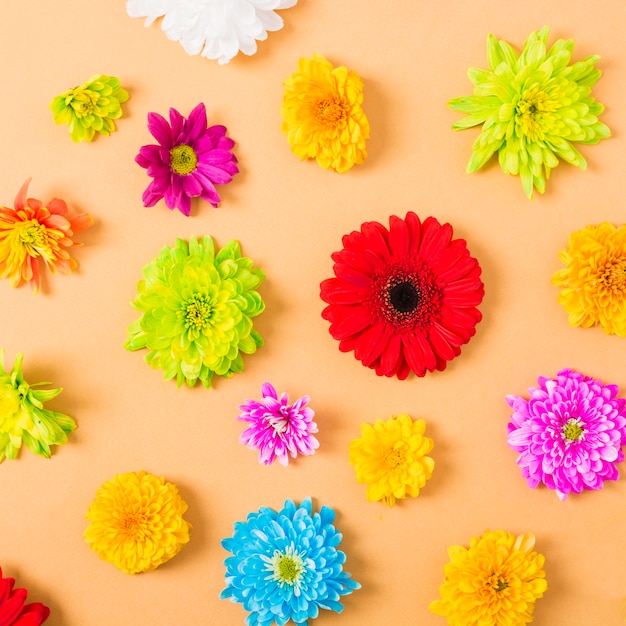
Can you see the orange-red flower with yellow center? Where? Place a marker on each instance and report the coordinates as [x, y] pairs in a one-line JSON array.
[[32, 234]]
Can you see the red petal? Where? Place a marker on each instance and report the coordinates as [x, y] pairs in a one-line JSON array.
[[358, 260], [435, 239], [440, 346], [415, 232], [12, 607], [371, 344], [376, 235], [335, 291], [352, 321], [399, 240], [350, 275], [391, 356], [418, 353]]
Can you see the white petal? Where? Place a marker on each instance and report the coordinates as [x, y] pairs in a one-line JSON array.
[[216, 29]]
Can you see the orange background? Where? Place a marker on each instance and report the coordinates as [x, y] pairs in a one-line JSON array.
[[289, 216]]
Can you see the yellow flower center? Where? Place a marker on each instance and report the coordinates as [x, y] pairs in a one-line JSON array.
[[132, 524], [288, 567], [572, 430], [497, 583], [393, 458], [32, 236], [84, 102], [183, 159], [531, 109], [615, 275], [9, 404], [331, 112], [197, 312]]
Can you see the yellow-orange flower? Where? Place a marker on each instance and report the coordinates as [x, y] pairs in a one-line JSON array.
[[495, 581], [594, 279], [136, 522], [34, 233], [322, 114], [390, 458]]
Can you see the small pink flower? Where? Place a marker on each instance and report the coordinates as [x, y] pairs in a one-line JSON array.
[[277, 427]]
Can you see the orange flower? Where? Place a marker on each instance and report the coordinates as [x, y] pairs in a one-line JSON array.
[[34, 232]]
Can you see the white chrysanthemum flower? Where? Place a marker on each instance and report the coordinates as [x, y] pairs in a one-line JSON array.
[[217, 29]]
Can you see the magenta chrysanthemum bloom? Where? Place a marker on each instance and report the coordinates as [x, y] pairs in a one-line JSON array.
[[189, 160], [277, 427], [569, 434]]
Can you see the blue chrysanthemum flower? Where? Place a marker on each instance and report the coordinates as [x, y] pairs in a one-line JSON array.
[[286, 566]]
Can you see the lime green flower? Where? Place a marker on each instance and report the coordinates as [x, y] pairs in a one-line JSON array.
[[23, 418], [90, 107], [532, 108], [197, 304]]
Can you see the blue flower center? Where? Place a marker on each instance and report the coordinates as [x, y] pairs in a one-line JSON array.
[[183, 159]]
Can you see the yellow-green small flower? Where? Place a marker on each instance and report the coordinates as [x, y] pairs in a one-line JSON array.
[[90, 107], [23, 418], [532, 108]]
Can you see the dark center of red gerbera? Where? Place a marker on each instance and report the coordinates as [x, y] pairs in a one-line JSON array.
[[406, 296]]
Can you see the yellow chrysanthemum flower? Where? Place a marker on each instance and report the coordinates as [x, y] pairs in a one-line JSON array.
[[496, 581], [136, 522], [322, 114], [594, 279], [390, 458]]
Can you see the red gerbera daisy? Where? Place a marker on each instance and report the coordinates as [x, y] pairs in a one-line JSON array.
[[403, 299], [14, 611]]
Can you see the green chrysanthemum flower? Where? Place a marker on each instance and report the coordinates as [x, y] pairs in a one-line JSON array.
[[23, 418], [197, 305], [91, 107], [532, 108]]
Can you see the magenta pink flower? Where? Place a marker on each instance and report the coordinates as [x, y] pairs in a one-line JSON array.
[[277, 427], [189, 160], [569, 434]]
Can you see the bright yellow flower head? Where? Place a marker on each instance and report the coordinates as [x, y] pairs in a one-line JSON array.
[[496, 581], [136, 522], [390, 458], [594, 279], [322, 114]]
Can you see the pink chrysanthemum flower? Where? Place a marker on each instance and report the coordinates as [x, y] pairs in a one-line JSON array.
[[35, 234], [277, 427], [189, 160], [569, 434]]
